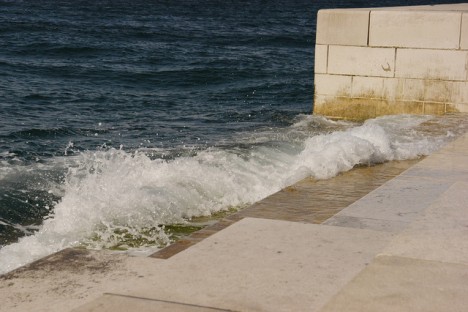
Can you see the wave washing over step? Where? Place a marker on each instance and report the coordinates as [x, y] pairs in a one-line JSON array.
[[112, 195]]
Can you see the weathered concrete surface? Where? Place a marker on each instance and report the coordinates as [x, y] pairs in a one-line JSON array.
[[393, 60]]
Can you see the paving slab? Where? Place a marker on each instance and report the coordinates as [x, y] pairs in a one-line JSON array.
[[344, 220], [449, 164], [67, 279], [437, 168], [395, 204], [118, 303], [441, 233], [262, 265], [405, 285]]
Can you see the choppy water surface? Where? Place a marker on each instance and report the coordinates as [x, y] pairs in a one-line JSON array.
[[119, 120]]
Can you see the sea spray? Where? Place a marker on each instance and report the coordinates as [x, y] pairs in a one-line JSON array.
[[110, 192]]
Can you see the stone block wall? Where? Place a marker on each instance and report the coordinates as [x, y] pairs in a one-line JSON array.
[[372, 62]]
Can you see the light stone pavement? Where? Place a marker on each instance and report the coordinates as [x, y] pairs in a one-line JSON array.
[[401, 247]]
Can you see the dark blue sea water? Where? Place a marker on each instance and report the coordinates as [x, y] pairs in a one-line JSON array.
[[120, 117]]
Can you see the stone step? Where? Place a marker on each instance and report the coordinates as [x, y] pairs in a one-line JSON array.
[[260, 265], [392, 283], [441, 233], [402, 247], [394, 205], [424, 268]]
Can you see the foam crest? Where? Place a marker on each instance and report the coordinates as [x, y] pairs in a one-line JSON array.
[[324, 156]]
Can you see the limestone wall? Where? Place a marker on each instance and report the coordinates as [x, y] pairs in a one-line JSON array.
[[371, 62]]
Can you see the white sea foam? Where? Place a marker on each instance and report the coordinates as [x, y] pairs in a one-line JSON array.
[[107, 191]]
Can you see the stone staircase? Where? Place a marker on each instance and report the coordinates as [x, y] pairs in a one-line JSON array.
[[402, 247]]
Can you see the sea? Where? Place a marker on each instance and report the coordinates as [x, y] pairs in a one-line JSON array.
[[122, 119]]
